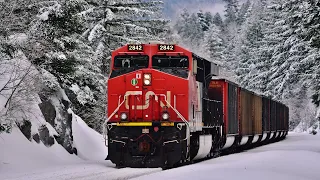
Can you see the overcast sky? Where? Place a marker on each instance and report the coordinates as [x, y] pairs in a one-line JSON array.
[[174, 7]]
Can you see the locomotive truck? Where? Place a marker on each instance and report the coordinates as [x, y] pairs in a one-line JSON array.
[[168, 106]]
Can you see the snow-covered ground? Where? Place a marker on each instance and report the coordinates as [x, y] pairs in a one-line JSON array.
[[21, 159], [296, 158]]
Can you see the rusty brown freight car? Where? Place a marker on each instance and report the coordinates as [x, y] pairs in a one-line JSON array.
[[226, 92], [257, 120], [283, 117], [246, 112]]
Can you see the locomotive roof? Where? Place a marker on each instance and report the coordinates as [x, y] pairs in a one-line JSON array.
[[204, 63]]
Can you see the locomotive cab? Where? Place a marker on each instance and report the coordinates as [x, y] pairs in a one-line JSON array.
[[149, 81]]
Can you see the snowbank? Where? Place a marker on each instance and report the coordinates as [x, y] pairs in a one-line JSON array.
[[18, 154], [21, 159], [89, 143]]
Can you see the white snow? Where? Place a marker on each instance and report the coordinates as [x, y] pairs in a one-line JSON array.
[[75, 88], [21, 159], [296, 158], [25, 99], [49, 80], [83, 95], [89, 143], [96, 31], [44, 16], [17, 154], [54, 8], [18, 39]]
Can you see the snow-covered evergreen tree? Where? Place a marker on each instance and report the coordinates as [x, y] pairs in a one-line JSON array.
[[269, 20], [232, 11], [217, 20], [57, 47], [208, 18], [254, 47], [280, 63], [243, 12], [16, 15], [230, 34], [213, 44], [205, 20], [190, 28], [311, 63]]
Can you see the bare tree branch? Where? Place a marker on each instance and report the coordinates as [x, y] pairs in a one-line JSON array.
[[16, 86]]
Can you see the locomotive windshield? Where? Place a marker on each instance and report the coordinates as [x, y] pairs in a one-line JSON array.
[[127, 63], [175, 65]]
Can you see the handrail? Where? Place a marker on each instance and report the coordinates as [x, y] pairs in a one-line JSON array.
[[106, 121], [186, 122]]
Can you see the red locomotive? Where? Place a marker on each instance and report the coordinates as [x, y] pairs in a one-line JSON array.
[[167, 106]]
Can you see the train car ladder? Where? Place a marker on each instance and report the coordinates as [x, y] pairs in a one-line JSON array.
[[187, 125], [105, 128]]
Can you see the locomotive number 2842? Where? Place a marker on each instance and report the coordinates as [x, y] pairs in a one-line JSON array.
[[164, 47], [134, 47]]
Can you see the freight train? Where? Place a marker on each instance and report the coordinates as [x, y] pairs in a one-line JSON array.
[[168, 106]]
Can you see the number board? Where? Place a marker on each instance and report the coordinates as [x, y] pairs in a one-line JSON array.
[[135, 47], [166, 47]]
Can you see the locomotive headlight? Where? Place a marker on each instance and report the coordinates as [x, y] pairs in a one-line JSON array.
[[147, 82], [147, 76], [165, 116], [123, 116], [147, 79]]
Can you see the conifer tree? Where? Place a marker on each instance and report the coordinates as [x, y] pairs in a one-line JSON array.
[[205, 20], [287, 56], [232, 10], [190, 28], [213, 44], [243, 11], [59, 49], [217, 20], [311, 63]]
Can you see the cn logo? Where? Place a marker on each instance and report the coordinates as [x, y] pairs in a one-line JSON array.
[[147, 99]]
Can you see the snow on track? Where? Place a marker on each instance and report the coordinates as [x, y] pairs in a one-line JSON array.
[[92, 171]]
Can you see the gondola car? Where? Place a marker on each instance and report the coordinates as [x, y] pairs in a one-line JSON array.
[[167, 106]]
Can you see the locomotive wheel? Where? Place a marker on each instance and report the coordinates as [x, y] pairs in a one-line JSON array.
[[166, 167], [120, 166]]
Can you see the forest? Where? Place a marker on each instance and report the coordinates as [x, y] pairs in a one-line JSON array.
[[270, 47]]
